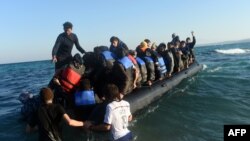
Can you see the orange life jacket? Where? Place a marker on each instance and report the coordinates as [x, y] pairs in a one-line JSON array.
[[69, 79]]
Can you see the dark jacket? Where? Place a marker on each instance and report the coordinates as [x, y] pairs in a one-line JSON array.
[[121, 44], [192, 44]]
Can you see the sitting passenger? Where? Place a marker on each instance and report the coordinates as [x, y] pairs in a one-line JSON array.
[[105, 60], [137, 74], [85, 100], [167, 56], [185, 54], [170, 59], [160, 69], [150, 58], [154, 47], [66, 81], [190, 46], [122, 72], [116, 43], [177, 56]]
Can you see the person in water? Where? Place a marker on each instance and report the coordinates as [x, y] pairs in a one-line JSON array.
[[116, 43], [116, 117], [190, 45], [61, 53], [49, 117]]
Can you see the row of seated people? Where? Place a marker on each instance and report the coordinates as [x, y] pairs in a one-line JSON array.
[[81, 82]]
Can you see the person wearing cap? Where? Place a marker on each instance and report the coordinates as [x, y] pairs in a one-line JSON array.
[[116, 43], [49, 117], [150, 58], [61, 53]]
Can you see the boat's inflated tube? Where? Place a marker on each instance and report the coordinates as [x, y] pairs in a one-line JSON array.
[[146, 95]]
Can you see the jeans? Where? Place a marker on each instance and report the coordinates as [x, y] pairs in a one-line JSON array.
[[127, 137]]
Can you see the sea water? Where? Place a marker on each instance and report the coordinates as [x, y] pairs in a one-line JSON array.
[[195, 110]]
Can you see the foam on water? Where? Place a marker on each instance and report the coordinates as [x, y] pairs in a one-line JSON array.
[[215, 69], [204, 67], [232, 51]]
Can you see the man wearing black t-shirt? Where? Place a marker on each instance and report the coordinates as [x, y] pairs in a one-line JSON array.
[[61, 53], [48, 118]]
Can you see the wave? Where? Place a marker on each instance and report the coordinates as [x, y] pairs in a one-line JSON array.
[[215, 69], [204, 67], [233, 51]]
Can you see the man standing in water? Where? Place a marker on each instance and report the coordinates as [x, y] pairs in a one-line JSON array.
[[49, 117], [61, 53], [116, 117]]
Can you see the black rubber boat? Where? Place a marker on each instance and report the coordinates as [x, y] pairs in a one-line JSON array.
[[146, 95]]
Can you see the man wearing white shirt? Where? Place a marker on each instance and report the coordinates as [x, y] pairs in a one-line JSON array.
[[116, 117]]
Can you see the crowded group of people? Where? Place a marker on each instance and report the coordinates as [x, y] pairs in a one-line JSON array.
[[94, 85]]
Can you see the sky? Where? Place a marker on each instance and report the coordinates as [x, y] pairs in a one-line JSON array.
[[29, 28]]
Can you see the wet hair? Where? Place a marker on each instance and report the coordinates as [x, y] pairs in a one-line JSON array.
[[46, 94], [78, 59], [85, 84], [111, 92], [188, 39], [67, 25], [114, 38], [147, 41]]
